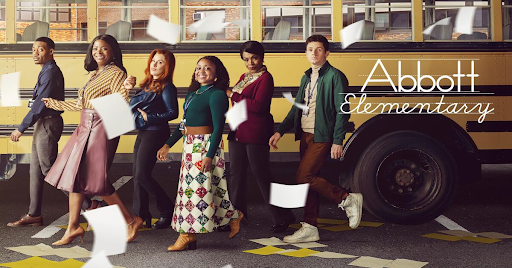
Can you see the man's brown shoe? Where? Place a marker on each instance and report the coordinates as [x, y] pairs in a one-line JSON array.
[[27, 220]]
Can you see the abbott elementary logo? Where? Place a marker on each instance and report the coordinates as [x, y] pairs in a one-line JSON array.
[[420, 84]]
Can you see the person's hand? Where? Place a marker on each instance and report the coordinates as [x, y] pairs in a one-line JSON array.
[[15, 135], [336, 151], [129, 82], [229, 92], [46, 102], [162, 153], [274, 139], [144, 114], [206, 165]]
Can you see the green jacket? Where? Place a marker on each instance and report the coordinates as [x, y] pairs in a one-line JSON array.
[[330, 124]]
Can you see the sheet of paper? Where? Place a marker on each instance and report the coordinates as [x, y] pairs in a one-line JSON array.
[[494, 235], [484, 240], [75, 252], [303, 252], [370, 224], [458, 233], [116, 114], [237, 114], [273, 241], [405, 263], [268, 250], [309, 245], [163, 30], [372, 262], [36, 250], [10, 89], [442, 237], [352, 33], [464, 20], [213, 23], [288, 97], [288, 196], [337, 228], [31, 262], [239, 23], [99, 260], [333, 255], [227, 266], [110, 230], [430, 28], [331, 221]]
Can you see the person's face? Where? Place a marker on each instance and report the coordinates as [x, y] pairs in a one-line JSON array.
[[205, 72], [253, 62], [157, 66], [102, 53], [40, 53], [316, 53]]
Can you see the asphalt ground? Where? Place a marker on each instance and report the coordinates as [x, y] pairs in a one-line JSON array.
[[484, 206]]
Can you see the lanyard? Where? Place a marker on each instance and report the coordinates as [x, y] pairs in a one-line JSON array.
[[310, 91], [90, 80], [187, 102]]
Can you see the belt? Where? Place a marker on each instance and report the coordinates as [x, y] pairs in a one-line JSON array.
[[50, 116]]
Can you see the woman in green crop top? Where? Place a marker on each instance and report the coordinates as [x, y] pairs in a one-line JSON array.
[[202, 202]]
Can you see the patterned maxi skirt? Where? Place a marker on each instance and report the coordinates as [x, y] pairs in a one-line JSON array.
[[202, 202]]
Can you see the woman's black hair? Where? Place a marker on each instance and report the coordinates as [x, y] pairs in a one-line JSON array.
[[90, 64], [222, 81], [253, 47]]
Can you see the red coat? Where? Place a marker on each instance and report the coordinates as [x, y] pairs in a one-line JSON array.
[[259, 126]]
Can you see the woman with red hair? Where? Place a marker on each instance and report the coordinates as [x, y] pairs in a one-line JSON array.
[[153, 106]]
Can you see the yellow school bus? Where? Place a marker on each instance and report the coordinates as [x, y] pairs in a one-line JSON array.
[[427, 109]]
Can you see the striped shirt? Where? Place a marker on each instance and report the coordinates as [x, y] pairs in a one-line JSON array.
[[109, 81]]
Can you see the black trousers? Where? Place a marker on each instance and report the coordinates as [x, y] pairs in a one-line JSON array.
[[147, 144], [241, 155]]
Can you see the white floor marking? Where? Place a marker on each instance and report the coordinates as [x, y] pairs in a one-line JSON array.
[[449, 224], [52, 229]]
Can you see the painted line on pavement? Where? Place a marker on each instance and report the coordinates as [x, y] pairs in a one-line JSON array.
[[52, 229], [449, 224]]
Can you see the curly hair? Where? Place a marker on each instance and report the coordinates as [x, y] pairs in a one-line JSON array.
[[221, 75], [90, 64]]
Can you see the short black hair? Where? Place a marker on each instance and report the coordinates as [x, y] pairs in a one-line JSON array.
[[49, 42], [318, 38], [90, 64], [253, 47]]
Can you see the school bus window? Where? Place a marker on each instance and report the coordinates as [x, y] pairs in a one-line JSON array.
[[296, 20], [127, 20], [388, 21], [434, 11], [57, 19], [507, 19], [2, 22]]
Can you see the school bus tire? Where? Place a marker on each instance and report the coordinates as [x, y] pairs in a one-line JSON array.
[[406, 177]]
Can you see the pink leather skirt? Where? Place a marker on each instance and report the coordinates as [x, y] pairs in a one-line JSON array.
[[83, 164]]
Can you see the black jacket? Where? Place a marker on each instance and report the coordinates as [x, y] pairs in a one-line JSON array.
[[160, 108]]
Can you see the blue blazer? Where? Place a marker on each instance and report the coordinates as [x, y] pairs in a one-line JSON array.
[[160, 108]]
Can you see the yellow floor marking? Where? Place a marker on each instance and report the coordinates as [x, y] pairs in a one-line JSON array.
[[331, 221], [494, 235], [32, 262], [443, 237], [337, 228], [370, 224], [480, 239], [303, 252], [268, 250]]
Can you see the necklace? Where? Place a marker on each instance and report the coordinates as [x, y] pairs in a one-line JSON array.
[[197, 91]]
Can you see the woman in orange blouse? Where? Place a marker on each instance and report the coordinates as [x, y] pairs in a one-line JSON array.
[[82, 166]]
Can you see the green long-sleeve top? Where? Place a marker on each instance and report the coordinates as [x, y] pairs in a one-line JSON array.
[[206, 109]]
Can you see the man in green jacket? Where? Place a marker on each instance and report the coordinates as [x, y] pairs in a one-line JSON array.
[[321, 129]]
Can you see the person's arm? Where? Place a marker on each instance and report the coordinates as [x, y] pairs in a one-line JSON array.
[[218, 106], [262, 98], [176, 136], [340, 84], [289, 120], [117, 84], [170, 99]]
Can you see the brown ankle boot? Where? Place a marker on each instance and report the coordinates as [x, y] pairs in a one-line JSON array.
[[183, 241], [235, 225]]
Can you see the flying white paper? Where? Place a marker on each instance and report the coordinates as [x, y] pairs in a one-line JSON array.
[[163, 30], [240, 23], [115, 113], [213, 23], [288, 196], [352, 33], [288, 97], [10, 90], [110, 230], [99, 260], [430, 28], [464, 20], [237, 114]]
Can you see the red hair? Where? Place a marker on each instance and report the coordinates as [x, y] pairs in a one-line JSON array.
[[149, 84]]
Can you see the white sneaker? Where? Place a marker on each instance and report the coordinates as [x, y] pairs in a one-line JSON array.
[[353, 206], [306, 233]]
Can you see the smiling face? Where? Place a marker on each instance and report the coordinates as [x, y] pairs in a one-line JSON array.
[[253, 62], [205, 73], [102, 53], [157, 66], [316, 53], [40, 53]]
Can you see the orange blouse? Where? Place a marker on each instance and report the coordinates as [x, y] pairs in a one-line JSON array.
[[109, 81]]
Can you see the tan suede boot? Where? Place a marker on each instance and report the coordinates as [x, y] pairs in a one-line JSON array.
[[183, 241]]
